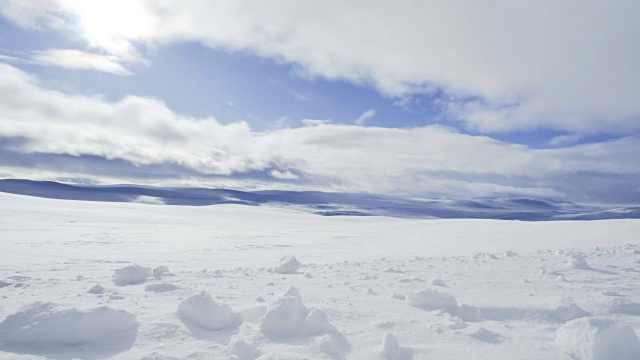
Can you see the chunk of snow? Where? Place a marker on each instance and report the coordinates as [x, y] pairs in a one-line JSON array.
[[131, 275], [4, 283], [287, 316], [241, 350], [46, 322], [598, 339], [317, 322], [431, 299], [333, 346], [509, 253], [568, 310], [96, 289], [391, 349], [578, 262], [438, 282], [202, 310], [287, 265], [484, 335], [157, 272]]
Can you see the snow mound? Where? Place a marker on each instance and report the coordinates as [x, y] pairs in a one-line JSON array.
[[46, 322], [202, 310], [578, 262], [568, 310], [333, 346], [598, 339], [391, 349], [431, 299], [287, 316], [287, 265], [96, 289], [131, 275], [240, 350], [484, 335], [160, 287]]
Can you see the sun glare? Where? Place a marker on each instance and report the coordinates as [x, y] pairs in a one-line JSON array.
[[111, 25]]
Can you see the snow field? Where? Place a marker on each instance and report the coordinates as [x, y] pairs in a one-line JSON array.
[[65, 294]]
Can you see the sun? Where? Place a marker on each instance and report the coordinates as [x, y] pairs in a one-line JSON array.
[[111, 25]]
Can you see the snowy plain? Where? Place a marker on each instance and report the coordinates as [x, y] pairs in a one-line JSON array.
[[95, 280]]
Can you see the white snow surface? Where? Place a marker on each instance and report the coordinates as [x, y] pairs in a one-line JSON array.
[[514, 290]]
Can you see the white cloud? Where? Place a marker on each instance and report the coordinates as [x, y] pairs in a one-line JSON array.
[[75, 59], [431, 160], [283, 175], [565, 65], [315, 122], [362, 119]]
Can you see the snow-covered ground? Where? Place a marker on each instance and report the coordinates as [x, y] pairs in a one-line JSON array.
[[97, 280]]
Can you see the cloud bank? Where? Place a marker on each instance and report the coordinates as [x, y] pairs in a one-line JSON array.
[[141, 138]]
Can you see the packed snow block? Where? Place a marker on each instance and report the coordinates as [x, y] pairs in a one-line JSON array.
[[431, 299], [568, 310], [131, 275], [287, 316], [287, 265], [592, 338], [49, 323], [202, 310]]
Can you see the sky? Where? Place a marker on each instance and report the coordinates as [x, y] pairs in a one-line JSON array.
[[412, 98]]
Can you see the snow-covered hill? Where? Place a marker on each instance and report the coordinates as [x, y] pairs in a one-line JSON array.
[[331, 204], [97, 280]]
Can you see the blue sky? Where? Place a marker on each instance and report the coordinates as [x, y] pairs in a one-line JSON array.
[[424, 99]]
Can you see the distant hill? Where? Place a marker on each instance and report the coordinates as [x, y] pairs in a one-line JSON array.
[[329, 204]]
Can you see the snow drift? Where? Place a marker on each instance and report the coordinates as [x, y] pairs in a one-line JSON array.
[[46, 322]]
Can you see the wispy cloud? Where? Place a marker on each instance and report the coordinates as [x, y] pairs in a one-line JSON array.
[[80, 60], [362, 119], [71, 59]]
